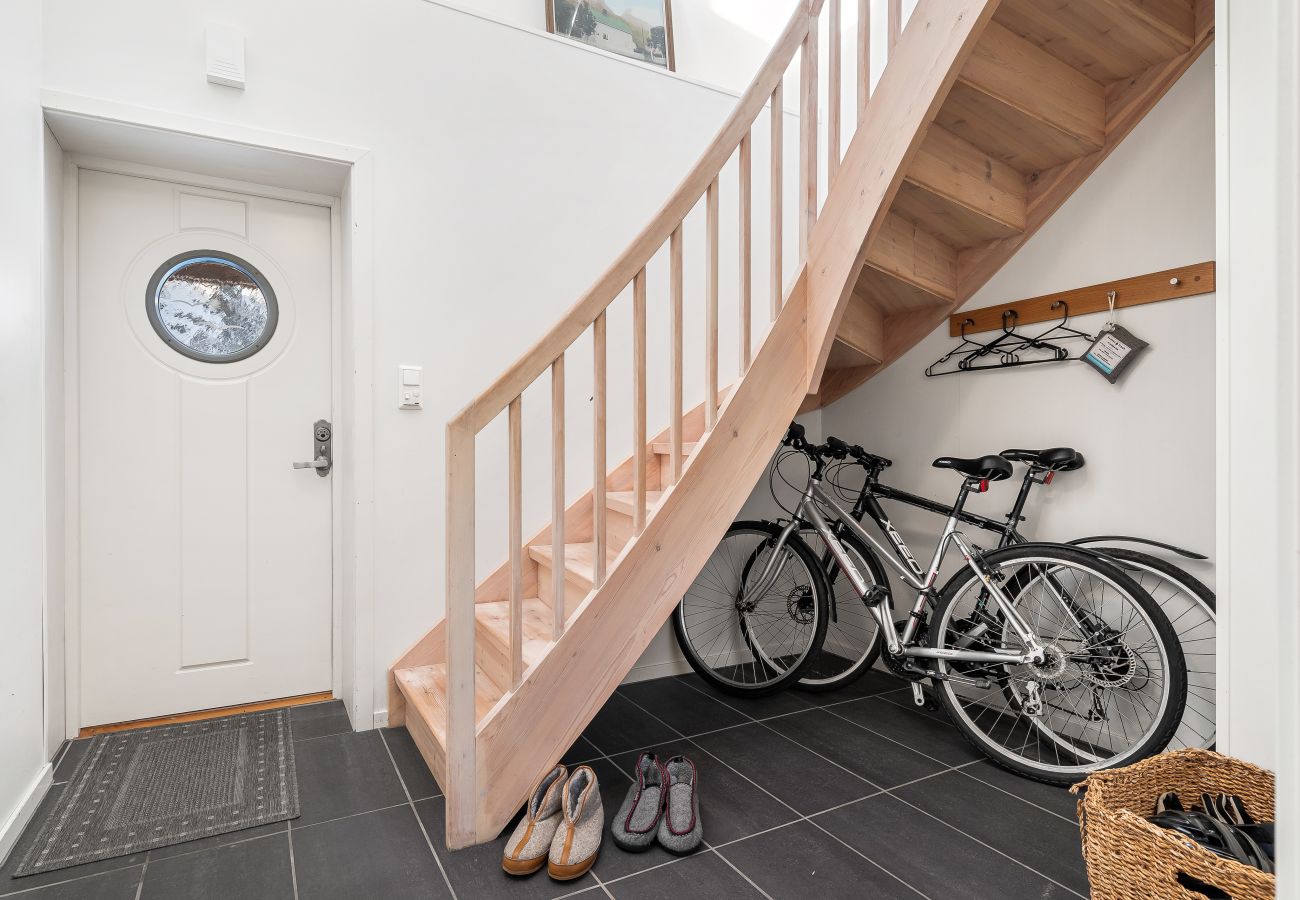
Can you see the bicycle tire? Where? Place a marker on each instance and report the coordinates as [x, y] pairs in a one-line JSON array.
[[1196, 721], [1158, 735], [817, 584], [871, 652]]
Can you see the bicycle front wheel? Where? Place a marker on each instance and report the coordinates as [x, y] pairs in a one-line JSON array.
[[745, 633], [1111, 690], [852, 634]]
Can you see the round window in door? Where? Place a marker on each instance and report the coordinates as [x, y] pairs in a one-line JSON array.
[[211, 306]]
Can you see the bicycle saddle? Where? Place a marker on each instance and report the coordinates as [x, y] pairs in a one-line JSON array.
[[1057, 459], [993, 468]]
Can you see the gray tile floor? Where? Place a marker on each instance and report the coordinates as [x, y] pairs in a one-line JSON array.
[[851, 794]]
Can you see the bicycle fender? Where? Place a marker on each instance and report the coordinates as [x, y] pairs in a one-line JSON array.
[[1129, 539]]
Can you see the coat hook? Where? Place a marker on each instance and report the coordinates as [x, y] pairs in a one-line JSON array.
[[1175, 281]]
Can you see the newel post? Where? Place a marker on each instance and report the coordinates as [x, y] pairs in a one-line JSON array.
[[462, 787]]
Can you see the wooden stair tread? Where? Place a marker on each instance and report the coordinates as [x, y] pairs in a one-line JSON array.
[[665, 448], [425, 689], [579, 559], [625, 501], [494, 619]]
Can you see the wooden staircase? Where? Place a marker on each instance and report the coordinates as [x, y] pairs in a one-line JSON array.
[[987, 117]]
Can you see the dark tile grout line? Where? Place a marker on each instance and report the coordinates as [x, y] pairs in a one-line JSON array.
[[828, 709], [293, 865], [948, 722], [1008, 856], [885, 697], [778, 800], [889, 791], [50, 884], [750, 719], [1069, 819], [602, 885], [736, 869], [415, 812]]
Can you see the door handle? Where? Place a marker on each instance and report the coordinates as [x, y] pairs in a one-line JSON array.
[[323, 440]]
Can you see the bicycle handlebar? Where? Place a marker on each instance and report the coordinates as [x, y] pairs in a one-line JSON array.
[[834, 448]]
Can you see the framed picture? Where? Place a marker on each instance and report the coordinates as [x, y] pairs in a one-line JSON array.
[[638, 29]]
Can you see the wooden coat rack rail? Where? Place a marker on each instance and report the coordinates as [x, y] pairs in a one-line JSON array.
[[1171, 284]]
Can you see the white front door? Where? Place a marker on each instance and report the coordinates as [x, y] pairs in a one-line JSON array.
[[204, 353]]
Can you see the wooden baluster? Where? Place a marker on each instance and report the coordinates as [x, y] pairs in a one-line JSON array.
[[600, 466], [833, 94], [807, 138], [675, 286], [461, 716], [557, 495], [778, 197], [746, 247], [711, 312], [864, 58], [895, 25], [516, 543], [638, 403]]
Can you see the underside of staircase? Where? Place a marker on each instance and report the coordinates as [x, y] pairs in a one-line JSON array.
[[988, 116]]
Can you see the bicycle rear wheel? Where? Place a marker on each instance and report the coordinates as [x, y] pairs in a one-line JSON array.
[[1191, 609], [1111, 690], [744, 637]]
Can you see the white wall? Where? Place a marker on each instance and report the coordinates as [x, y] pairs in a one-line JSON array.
[[22, 576], [718, 42], [494, 208], [1149, 440]]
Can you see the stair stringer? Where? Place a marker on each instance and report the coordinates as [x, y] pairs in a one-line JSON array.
[[535, 724], [1127, 102], [939, 38]]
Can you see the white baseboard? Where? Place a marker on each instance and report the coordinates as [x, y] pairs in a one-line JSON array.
[[678, 666], [22, 814]]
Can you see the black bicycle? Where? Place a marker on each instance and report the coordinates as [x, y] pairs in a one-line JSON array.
[[852, 642], [1049, 658]]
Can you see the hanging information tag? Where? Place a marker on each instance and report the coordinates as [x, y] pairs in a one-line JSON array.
[[1114, 351]]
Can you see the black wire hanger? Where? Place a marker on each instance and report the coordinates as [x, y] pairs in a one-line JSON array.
[[1008, 347]]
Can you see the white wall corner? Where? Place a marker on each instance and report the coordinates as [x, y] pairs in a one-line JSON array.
[[13, 826]]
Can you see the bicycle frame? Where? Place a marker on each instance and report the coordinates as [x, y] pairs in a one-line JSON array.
[[1006, 529], [901, 559]]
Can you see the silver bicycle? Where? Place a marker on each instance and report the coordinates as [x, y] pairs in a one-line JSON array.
[[1051, 660]]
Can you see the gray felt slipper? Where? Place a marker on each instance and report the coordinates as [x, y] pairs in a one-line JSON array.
[[634, 826], [681, 830]]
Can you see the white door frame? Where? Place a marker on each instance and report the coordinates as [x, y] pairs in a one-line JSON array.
[[127, 140], [1257, 88]]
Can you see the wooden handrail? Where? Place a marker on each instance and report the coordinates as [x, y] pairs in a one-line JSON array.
[[629, 269], [529, 367]]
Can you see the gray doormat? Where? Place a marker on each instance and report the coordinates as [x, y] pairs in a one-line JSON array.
[[158, 786]]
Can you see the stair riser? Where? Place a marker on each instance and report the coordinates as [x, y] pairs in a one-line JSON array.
[[431, 749], [619, 528], [492, 656], [575, 589]]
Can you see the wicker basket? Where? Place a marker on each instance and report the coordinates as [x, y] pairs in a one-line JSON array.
[[1130, 859]]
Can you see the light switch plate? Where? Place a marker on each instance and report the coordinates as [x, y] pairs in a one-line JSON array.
[[410, 387]]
